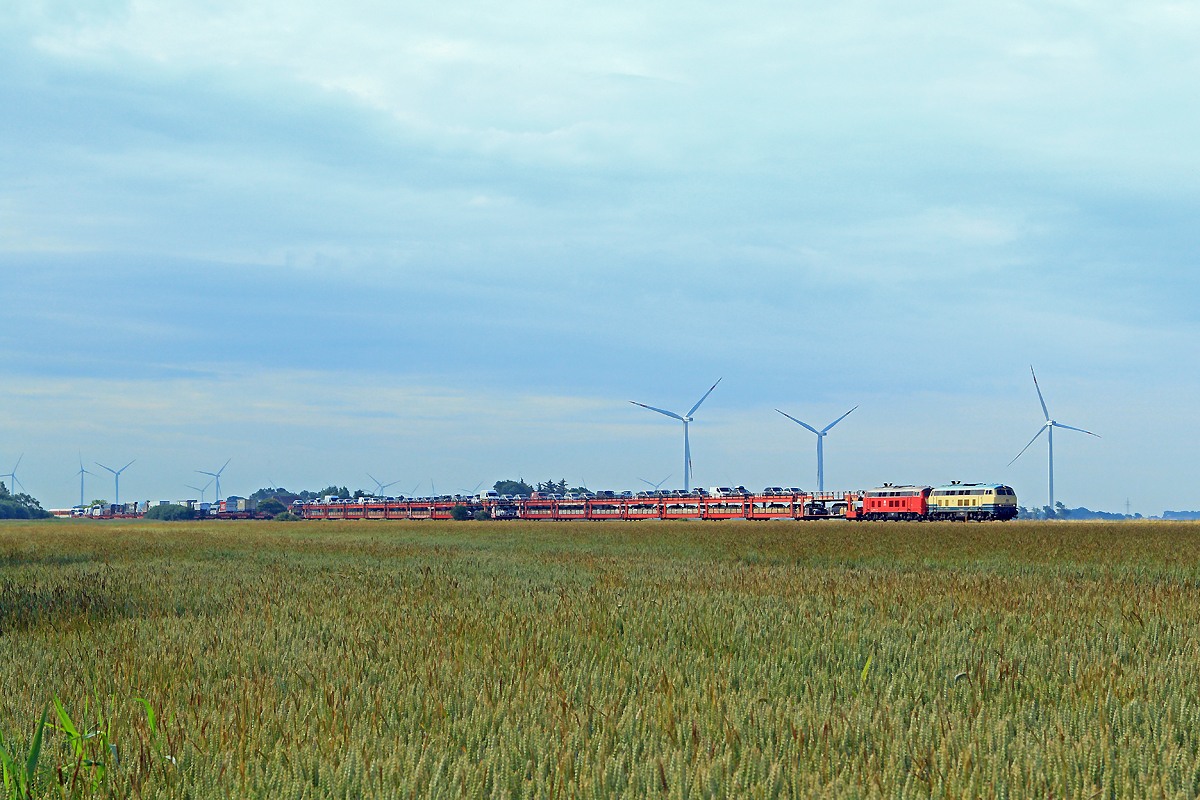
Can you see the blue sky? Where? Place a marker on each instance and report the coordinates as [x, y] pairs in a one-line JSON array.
[[449, 243]]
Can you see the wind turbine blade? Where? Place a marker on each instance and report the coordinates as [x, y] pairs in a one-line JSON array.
[[122, 469], [648, 483], [110, 469], [393, 483], [798, 422], [702, 399], [202, 472], [17, 465], [1026, 447], [1081, 430], [659, 410], [223, 466], [17, 482], [836, 421], [1039, 391]]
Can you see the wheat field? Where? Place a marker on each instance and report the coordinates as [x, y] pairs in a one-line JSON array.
[[558, 660]]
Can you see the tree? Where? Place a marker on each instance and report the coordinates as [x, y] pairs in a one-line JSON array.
[[11, 510], [460, 513], [20, 506], [336, 491], [1061, 511], [281, 494], [518, 486], [170, 512], [482, 515], [271, 506]]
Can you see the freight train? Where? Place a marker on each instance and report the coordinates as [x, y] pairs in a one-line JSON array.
[[954, 502], [976, 502], [233, 508]]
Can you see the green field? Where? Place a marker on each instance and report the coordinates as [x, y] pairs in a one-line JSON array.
[[679, 659]]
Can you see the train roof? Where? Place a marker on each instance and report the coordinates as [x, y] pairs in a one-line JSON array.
[[971, 488], [893, 490], [957, 485]]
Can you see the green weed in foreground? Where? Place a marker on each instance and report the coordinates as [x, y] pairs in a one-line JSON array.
[[571, 660], [20, 770], [88, 757]]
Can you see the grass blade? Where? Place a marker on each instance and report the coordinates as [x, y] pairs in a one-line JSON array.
[[149, 714], [35, 749], [67, 726]]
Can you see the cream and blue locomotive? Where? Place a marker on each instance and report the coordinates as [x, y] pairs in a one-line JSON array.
[[972, 501]]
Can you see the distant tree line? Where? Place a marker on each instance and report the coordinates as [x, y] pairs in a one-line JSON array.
[[1062, 512], [287, 498], [20, 506]]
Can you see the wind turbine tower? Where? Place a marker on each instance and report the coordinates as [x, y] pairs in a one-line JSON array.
[[820, 443], [116, 480], [13, 483], [685, 419], [1048, 427], [82, 472], [216, 476]]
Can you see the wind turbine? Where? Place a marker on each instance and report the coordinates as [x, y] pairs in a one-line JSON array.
[[1048, 426], [201, 490], [655, 485], [685, 419], [216, 476], [820, 444], [12, 476], [82, 472], [381, 486], [116, 480]]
